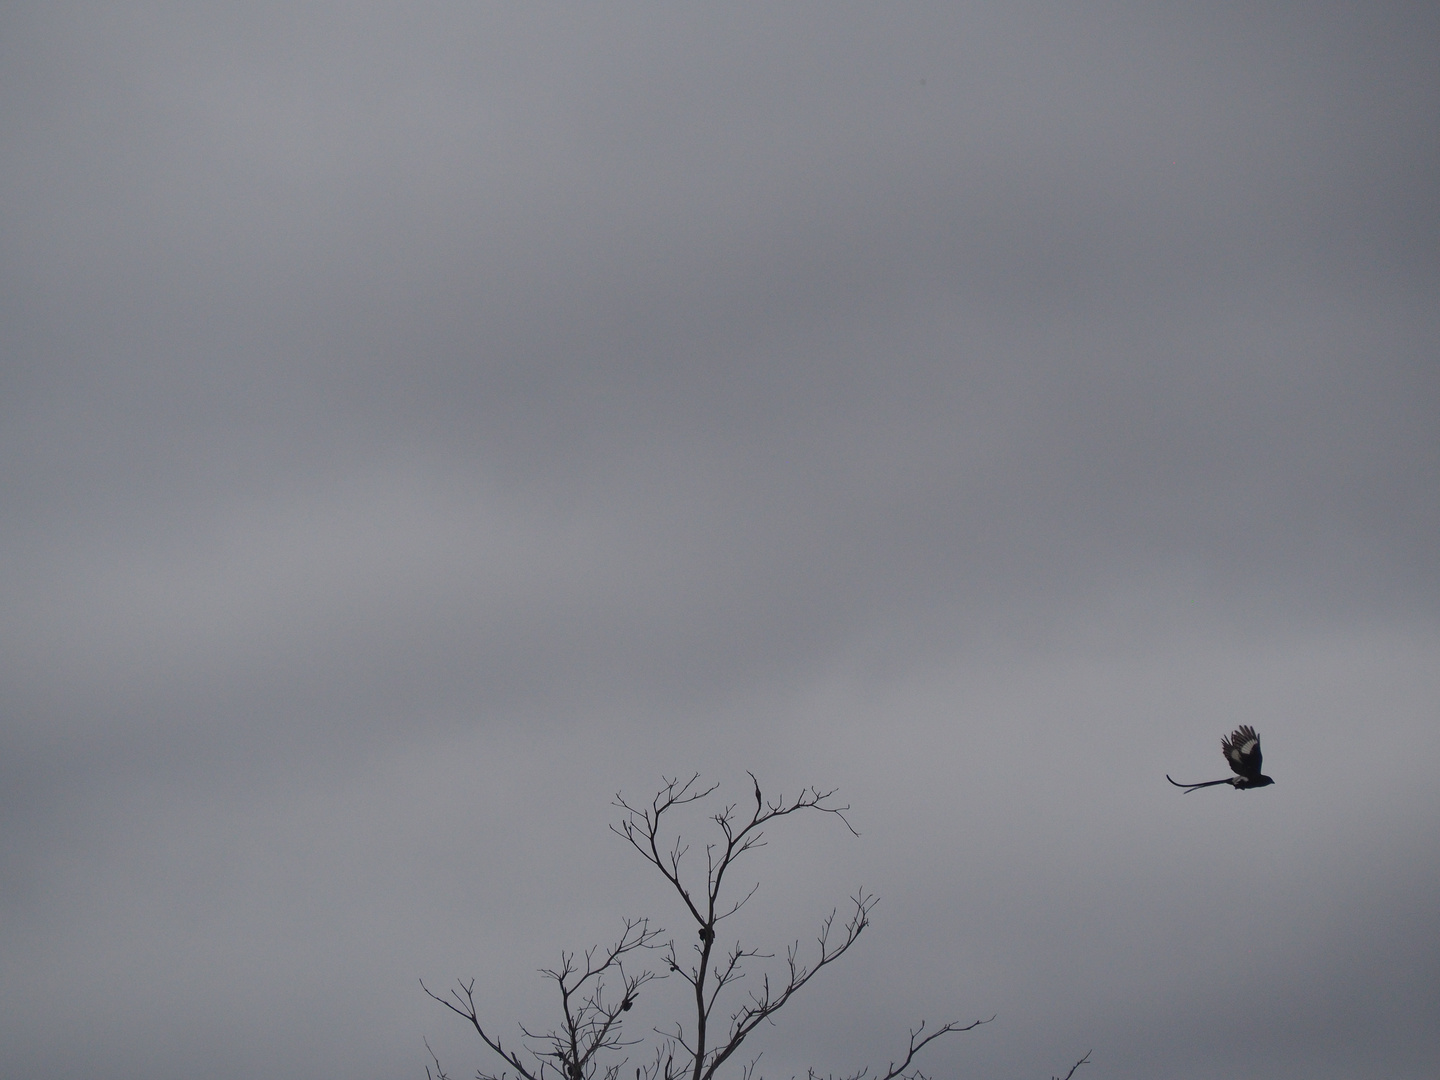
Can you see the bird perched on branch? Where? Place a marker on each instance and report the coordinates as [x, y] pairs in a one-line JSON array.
[[1242, 754]]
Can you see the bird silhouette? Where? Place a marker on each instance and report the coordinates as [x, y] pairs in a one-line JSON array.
[[1242, 754]]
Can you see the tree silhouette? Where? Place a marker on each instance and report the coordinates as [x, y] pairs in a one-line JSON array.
[[597, 990]]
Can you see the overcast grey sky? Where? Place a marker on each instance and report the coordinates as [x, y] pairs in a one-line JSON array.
[[418, 423]]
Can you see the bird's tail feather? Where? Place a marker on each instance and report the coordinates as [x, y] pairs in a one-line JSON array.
[[1191, 787]]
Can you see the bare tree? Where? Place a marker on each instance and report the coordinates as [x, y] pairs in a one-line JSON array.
[[588, 1044]]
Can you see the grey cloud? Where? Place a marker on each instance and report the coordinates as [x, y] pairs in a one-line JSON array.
[[419, 424]]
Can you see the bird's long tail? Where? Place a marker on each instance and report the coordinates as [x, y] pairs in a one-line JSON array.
[[1191, 787]]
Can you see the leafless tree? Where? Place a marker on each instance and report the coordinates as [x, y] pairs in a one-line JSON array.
[[588, 1044]]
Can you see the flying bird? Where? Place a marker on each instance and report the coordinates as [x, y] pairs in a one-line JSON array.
[[1242, 754]]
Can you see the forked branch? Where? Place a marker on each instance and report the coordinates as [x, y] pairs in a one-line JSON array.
[[591, 1019]]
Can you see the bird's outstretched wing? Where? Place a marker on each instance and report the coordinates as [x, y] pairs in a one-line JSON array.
[[1242, 752]]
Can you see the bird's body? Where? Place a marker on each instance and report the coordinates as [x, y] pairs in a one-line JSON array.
[[1242, 754]]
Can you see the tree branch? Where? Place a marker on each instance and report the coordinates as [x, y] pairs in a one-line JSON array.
[[1083, 1061]]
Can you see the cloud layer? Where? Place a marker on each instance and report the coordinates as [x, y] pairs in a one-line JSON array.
[[419, 425]]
